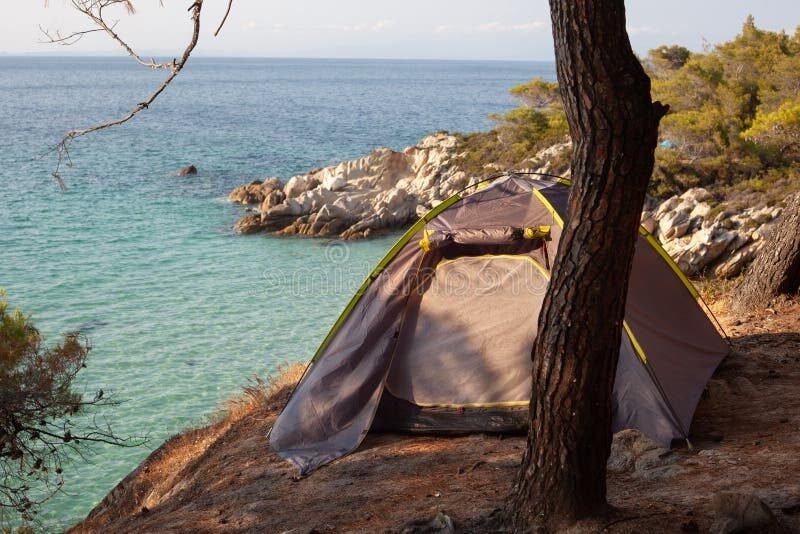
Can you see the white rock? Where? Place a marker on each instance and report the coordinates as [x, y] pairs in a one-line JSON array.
[[700, 210], [675, 223], [329, 212], [275, 197], [289, 207], [334, 182], [721, 216], [696, 195], [314, 199], [298, 185], [650, 224], [735, 264], [667, 206], [704, 248]]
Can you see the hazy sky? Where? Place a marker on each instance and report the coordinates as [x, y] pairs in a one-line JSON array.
[[450, 29]]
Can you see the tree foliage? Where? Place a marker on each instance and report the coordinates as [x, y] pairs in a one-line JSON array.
[[668, 57], [37, 407], [734, 116], [538, 123], [733, 109], [780, 128]]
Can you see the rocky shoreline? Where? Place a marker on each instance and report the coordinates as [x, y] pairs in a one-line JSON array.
[[388, 190], [384, 190], [705, 241]]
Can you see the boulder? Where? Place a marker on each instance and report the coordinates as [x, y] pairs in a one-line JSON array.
[[187, 171], [441, 524], [334, 182], [249, 224], [667, 206], [313, 200], [741, 512], [633, 452], [355, 198], [386, 189], [247, 194], [254, 192], [696, 195], [299, 184], [705, 247], [700, 210], [734, 265], [649, 222], [272, 199], [674, 223], [330, 212], [621, 458]]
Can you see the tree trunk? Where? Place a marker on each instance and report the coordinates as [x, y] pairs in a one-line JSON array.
[[614, 126], [776, 270]]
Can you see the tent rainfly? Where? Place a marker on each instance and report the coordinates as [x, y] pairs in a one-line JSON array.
[[438, 338]]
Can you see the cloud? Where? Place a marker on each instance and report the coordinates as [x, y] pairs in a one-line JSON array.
[[252, 25], [373, 27], [382, 24], [493, 27], [529, 26]]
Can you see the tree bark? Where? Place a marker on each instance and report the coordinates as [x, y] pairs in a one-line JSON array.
[[614, 127], [776, 270]]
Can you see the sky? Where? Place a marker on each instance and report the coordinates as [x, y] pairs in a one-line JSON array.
[[419, 29]]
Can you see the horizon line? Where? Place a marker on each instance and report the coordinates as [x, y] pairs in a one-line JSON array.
[[109, 55]]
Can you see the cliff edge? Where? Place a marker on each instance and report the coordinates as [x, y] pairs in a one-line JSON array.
[[742, 468]]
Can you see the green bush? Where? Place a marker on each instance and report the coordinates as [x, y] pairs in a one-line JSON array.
[[519, 134], [734, 119], [37, 405]]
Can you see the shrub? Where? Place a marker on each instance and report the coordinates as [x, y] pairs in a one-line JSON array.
[[37, 405]]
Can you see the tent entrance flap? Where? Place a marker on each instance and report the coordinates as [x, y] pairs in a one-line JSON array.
[[466, 344]]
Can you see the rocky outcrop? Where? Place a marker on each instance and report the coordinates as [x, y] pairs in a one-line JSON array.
[[705, 241], [385, 189], [388, 189], [257, 191]]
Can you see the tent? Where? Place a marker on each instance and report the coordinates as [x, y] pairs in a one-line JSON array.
[[438, 338]]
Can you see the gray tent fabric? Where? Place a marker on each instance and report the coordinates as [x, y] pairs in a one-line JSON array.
[[437, 326], [496, 235], [468, 328]]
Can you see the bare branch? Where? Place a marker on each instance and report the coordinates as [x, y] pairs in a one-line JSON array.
[[227, 12], [66, 40], [94, 10], [62, 148]]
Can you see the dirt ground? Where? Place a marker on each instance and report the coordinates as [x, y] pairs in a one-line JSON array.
[[224, 478]]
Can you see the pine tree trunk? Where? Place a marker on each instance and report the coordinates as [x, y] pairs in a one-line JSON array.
[[776, 270], [614, 126]]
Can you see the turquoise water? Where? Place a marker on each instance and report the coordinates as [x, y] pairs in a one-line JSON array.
[[180, 311]]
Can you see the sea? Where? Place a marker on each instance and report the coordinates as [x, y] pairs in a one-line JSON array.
[[181, 312]]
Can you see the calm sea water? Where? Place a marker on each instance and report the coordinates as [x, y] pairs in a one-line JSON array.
[[179, 310]]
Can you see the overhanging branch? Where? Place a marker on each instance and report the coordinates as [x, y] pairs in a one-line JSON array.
[[93, 9]]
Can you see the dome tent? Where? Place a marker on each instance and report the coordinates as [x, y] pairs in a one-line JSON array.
[[438, 338]]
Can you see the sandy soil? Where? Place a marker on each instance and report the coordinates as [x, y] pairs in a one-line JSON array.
[[224, 478]]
